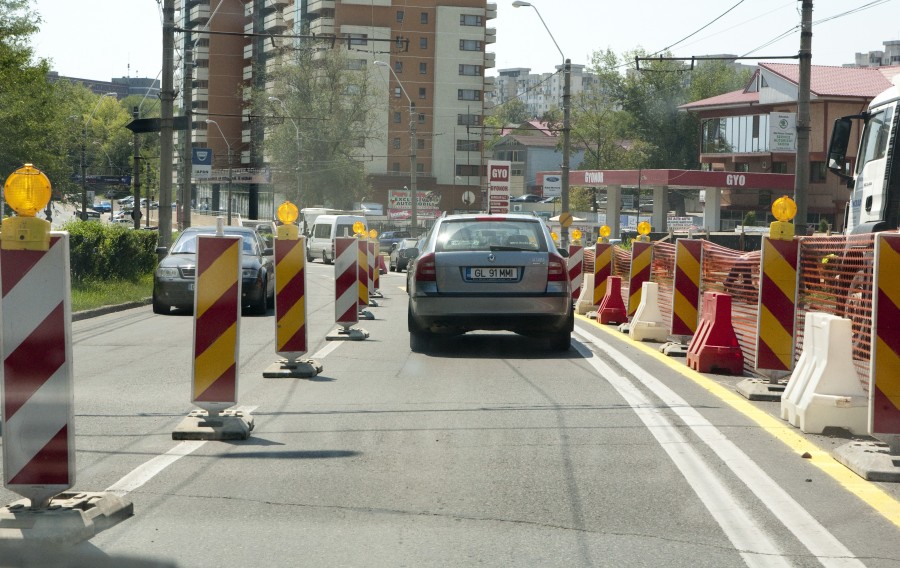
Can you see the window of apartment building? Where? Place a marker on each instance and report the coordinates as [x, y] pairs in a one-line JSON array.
[[422, 92], [466, 170], [423, 43], [421, 118], [779, 167], [395, 167], [398, 67], [400, 16], [420, 143], [397, 92], [468, 94], [423, 68], [470, 20], [356, 64], [396, 143], [468, 145], [397, 117], [817, 172], [470, 70], [469, 45], [423, 18], [468, 119], [359, 39], [420, 168]]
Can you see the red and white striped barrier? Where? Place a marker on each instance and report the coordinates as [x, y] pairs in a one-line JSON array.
[[346, 289], [575, 264], [362, 263], [38, 428]]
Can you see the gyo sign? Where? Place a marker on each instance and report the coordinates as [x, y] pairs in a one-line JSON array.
[[735, 180], [499, 173]]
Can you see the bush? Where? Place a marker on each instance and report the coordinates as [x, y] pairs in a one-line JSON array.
[[749, 219], [103, 252]]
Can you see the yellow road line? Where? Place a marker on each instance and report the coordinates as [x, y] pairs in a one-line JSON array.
[[867, 491]]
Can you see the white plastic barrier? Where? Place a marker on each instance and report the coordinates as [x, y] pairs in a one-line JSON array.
[[823, 390], [647, 323], [585, 301]]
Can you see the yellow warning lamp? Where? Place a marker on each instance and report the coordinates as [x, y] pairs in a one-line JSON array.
[[359, 229], [555, 237], [373, 234], [784, 209], [605, 232], [644, 229], [27, 191], [576, 235], [288, 213]]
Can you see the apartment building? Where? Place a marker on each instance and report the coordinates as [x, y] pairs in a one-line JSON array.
[[889, 56], [432, 50], [540, 92]]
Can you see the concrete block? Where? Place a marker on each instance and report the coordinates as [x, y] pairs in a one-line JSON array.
[[365, 315], [585, 301], [873, 461], [71, 518], [228, 425], [647, 323], [347, 334], [300, 369]]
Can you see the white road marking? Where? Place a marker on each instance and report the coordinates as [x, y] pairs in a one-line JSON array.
[[147, 471], [750, 540], [815, 537], [329, 347]]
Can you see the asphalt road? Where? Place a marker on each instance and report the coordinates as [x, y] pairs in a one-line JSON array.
[[489, 451]]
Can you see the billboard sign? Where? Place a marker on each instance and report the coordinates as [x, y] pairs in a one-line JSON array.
[[552, 186], [201, 161], [498, 186], [782, 132]]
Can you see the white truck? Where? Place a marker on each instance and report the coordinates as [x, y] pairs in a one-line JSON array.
[[874, 183]]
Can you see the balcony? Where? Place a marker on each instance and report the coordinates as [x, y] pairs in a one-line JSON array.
[[246, 135], [273, 64], [274, 21], [322, 26], [201, 73], [248, 28], [248, 72], [490, 11], [490, 35], [201, 53], [199, 136], [199, 94], [317, 6], [490, 60], [489, 83], [273, 45], [245, 157], [199, 14], [248, 51], [275, 4]]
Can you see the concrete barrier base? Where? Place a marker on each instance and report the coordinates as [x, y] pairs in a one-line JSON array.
[[761, 389], [229, 425], [348, 334], [71, 518], [872, 461], [365, 315], [301, 369], [674, 349]]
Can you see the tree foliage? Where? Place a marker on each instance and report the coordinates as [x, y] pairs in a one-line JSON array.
[[320, 127]]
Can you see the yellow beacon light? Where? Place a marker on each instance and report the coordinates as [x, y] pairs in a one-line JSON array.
[[576, 235], [288, 213], [359, 228], [555, 237], [373, 234], [784, 209], [644, 230], [27, 191], [605, 232]]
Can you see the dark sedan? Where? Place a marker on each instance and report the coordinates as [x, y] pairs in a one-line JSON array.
[[173, 281], [398, 260]]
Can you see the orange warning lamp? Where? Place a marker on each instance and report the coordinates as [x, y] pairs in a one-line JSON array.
[[576, 235], [373, 234], [644, 231], [605, 232], [555, 237], [288, 213], [784, 209], [359, 229], [27, 191]]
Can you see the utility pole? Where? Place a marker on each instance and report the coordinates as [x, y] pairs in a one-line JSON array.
[[801, 175], [567, 106], [187, 101], [167, 100], [136, 204]]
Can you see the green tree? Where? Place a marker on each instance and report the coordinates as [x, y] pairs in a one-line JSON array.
[[318, 135]]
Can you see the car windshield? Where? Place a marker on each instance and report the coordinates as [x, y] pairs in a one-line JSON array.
[[187, 242], [490, 234]]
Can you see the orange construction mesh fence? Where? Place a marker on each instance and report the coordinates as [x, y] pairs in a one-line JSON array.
[[836, 276], [663, 273]]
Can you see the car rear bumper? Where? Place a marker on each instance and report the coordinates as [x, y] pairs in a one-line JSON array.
[[180, 293], [530, 314]]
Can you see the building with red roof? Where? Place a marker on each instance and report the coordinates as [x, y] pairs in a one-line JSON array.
[[754, 130]]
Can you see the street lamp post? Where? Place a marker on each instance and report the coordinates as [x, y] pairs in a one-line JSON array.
[[296, 139], [219, 128], [414, 196], [567, 86], [83, 149]]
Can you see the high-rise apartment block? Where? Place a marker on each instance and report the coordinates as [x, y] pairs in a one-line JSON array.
[[435, 48]]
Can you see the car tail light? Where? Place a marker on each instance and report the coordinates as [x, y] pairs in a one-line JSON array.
[[557, 275], [425, 271]]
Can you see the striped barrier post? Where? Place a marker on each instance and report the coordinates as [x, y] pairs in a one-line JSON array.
[[884, 374], [38, 394], [641, 261], [217, 323], [376, 283], [346, 290], [36, 388], [685, 295], [777, 305], [370, 263], [291, 335], [575, 264], [362, 279], [602, 270]]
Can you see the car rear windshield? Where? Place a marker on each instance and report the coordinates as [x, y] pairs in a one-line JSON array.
[[187, 242], [490, 234]]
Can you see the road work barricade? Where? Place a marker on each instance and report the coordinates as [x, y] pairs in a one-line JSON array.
[[362, 279], [647, 323], [715, 346], [612, 308], [575, 264], [217, 324], [639, 272], [346, 290]]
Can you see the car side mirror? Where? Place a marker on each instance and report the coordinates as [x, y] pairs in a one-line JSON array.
[[563, 252], [410, 253]]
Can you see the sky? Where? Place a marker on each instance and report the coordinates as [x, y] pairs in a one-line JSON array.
[[116, 38]]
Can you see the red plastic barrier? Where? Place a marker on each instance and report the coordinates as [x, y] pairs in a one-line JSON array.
[[612, 308], [715, 345]]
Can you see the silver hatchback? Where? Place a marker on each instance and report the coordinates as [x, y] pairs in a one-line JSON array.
[[489, 272]]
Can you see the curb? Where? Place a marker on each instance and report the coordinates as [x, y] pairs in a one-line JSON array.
[[85, 314]]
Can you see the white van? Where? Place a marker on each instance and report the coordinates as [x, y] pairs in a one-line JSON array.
[[325, 228]]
